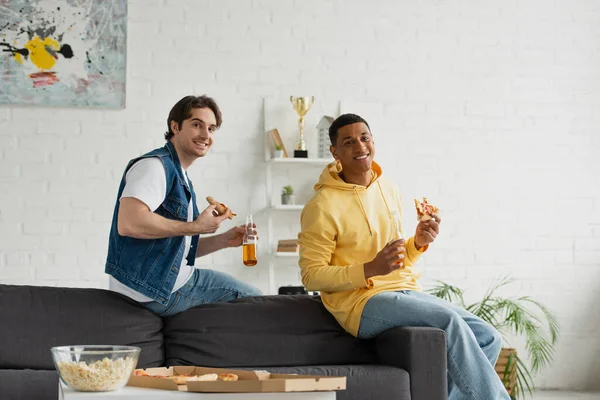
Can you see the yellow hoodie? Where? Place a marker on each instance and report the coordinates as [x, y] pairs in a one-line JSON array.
[[344, 226]]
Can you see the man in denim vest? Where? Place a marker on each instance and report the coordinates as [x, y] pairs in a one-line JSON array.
[[154, 238]]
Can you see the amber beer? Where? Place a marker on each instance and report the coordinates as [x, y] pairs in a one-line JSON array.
[[249, 251], [397, 234], [249, 244]]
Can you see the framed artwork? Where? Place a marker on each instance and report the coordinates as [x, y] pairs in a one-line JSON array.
[[63, 52]]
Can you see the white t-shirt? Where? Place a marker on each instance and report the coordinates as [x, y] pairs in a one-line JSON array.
[[146, 181]]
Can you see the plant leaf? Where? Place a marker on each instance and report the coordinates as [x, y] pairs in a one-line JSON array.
[[448, 292], [524, 379]]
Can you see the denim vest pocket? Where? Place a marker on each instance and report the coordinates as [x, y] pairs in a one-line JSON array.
[[173, 208]]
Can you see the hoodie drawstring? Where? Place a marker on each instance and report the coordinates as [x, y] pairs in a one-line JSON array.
[[384, 200], [363, 210]]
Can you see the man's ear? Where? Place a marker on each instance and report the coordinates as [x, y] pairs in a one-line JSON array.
[[333, 151], [174, 127]]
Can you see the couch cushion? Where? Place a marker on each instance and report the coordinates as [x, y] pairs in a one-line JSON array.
[[363, 382], [28, 384], [34, 319], [262, 331]]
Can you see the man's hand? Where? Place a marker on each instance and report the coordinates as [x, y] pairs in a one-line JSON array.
[[427, 231], [234, 236], [207, 221], [389, 259]]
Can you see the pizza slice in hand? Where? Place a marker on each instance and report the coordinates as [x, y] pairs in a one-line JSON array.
[[425, 210], [220, 207]]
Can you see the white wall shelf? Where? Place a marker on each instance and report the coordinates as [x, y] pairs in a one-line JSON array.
[[286, 255], [279, 114], [287, 207]]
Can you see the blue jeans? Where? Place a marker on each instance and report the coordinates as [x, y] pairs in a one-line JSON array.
[[473, 344], [205, 286]]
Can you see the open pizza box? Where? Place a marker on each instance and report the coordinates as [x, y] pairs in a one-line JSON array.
[[248, 381]]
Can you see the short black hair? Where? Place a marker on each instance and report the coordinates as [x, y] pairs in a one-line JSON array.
[[182, 110], [340, 122]]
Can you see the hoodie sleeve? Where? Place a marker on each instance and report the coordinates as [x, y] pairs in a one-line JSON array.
[[317, 244]]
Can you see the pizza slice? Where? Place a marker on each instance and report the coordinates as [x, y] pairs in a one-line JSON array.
[[204, 378], [184, 378], [140, 372], [220, 207], [425, 210], [181, 379], [228, 377], [178, 379]]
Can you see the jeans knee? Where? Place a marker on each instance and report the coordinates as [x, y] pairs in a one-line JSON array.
[[453, 321], [250, 291], [496, 338], [492, 339]]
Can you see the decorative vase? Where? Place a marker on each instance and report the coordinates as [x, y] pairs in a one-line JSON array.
[[287, 199]]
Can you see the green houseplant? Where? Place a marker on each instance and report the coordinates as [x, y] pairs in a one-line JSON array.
[[287, 195], [278, 153], [520, 316]]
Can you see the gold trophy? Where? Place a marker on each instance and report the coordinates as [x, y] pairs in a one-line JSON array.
[[301, 105]]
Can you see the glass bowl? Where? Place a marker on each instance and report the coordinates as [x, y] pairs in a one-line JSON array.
[[89, 368]]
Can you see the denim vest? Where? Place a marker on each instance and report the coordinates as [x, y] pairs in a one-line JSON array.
[[150, 266]]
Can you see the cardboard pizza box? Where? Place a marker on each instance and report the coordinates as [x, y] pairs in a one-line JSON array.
[[248, 381]]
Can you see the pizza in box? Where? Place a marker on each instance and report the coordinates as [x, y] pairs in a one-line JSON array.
[[182, 379]]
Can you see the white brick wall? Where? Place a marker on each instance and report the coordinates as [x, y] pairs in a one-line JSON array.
[[493, 101]]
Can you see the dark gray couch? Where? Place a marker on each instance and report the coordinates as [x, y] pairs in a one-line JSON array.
[[279, 333]]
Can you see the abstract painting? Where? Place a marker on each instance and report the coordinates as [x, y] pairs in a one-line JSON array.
[[69, 53]]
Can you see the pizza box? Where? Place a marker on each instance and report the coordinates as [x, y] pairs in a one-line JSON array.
[[248, 381]]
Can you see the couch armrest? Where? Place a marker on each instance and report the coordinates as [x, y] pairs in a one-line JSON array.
[[422, 352]]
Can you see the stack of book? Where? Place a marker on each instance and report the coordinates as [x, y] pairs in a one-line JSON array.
[[287, 246]]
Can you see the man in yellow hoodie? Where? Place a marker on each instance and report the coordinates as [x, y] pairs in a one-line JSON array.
[[352, 251]]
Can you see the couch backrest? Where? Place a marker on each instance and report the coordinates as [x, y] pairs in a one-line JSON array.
[[261, 332], [34, 319]]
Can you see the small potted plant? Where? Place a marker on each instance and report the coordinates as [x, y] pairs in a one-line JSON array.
[[287, 195], [278, 153]]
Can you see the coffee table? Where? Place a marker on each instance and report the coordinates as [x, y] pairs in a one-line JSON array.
[[129, 393]]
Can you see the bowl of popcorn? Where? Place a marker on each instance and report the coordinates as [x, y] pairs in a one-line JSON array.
[[95, 368]]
